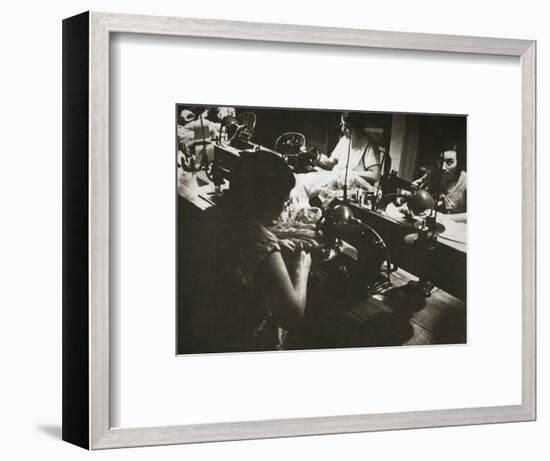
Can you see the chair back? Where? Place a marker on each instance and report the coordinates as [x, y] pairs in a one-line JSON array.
[[289, 143], [248, 119]]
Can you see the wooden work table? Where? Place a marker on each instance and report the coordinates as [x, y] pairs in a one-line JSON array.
[[413, 319], [395, 316], [447, 261]]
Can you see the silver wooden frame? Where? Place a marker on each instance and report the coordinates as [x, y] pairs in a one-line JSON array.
[[99, 27]]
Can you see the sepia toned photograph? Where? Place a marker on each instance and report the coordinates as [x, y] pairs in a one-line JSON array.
[[302, 229]]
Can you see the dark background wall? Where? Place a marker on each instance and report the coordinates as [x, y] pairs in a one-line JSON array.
[[413, 140], [437, 132]]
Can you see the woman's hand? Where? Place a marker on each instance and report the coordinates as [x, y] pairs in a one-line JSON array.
[[327, 163], [459, 217], [299, 243], [295, 256], [288, 247], [288, 250], [406, 211], [300, 262]]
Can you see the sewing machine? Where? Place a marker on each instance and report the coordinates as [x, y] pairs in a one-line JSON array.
[[356, 259], [226, 158]]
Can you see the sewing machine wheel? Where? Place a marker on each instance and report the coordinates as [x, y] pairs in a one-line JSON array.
[[210, 170], [363, 268], [187, 160]]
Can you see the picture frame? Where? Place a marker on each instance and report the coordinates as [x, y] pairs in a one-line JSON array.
[[86, 230]]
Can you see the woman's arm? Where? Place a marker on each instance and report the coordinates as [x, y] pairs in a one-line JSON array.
[[420, 181], [459, 217], [328, 163], [370, 165], [284, 290], [371, 175], [325, 162]]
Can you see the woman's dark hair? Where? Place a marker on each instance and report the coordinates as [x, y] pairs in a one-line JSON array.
[[355, 120], [434, 173], [260, 179], [460, 154]]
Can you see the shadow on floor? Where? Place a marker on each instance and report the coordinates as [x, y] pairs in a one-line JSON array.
[[52, 430]]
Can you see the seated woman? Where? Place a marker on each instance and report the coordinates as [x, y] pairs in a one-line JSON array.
[[450, 190], [246, 289], [190, 118], [198, 127], [364, 158], [364, 162]]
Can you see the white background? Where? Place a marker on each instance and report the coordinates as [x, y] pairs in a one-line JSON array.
[[30, 243], [149, 76]]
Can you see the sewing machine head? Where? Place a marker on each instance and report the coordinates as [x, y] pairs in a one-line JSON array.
[[355, 252]]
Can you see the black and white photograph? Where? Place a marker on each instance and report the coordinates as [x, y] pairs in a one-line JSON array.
[[314, 229], [256, 231]]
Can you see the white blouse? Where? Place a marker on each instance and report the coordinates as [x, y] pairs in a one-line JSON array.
[[361, 157]]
